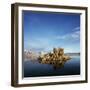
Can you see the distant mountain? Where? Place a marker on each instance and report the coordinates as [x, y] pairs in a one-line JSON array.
[[73, 54]]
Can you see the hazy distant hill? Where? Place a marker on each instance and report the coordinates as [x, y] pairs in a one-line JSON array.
[[73, 54]]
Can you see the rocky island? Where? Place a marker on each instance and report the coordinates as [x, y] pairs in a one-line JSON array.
[[57, 58]]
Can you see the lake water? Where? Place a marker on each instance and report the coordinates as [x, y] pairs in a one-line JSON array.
[[36, 69]]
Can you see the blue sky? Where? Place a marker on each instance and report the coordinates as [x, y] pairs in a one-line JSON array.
[[44, 31]]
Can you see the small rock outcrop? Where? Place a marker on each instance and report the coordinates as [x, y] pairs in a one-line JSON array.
[[57, 58]]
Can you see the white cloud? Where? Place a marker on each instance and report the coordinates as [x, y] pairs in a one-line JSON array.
[[74, 35], [76, 28], [47, 44]]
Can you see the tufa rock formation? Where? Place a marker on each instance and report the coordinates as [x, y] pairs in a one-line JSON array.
[[57, 58]]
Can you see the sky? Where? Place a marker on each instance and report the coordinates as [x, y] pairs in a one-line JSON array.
[[44, 31]]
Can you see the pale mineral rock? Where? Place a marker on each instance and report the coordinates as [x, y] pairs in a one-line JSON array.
[[30, 55], [57, 58]]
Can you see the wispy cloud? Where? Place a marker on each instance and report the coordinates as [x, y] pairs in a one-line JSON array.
[[75, 35], [46, 44], [76, 28]]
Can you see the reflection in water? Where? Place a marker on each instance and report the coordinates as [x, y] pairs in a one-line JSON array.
[[34, 68], [56, 64]]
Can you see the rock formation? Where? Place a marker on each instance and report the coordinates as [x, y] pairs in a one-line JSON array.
[[57, 58], [31, 55]]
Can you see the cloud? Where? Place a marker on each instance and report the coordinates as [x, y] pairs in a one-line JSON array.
[[62, 37], [48, 43], [74, 35], [76, 28]]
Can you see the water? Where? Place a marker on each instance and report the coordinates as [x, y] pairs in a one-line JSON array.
[[36, 69]]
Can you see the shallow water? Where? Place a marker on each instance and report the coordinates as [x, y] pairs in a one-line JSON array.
[[36, 69]]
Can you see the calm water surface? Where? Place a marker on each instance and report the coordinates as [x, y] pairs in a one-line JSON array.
[[36, 69]]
